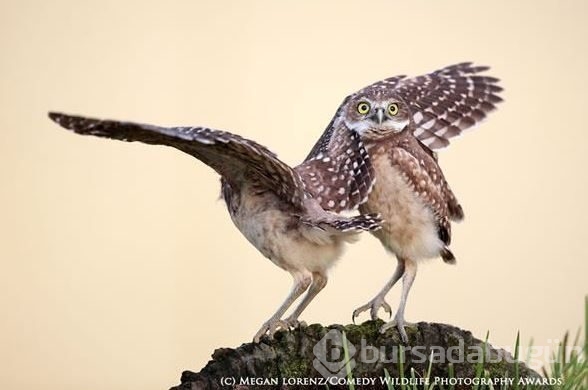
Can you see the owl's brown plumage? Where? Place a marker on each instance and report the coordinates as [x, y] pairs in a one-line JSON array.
[[420, 172], [340, 175], [277, 208], [400, 121]]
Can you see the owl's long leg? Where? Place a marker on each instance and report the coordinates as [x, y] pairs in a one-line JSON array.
[[319, 281], [407, 280], [379, 301], [301, 283]]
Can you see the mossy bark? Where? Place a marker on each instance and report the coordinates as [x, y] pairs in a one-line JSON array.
[[290, 360]]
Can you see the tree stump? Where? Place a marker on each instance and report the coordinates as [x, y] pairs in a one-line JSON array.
[[313, 357]]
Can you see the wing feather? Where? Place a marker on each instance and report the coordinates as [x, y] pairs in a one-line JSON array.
[[338, 171], [446, 102]]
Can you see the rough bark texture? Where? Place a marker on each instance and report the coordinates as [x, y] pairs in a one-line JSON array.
[[293, 355]]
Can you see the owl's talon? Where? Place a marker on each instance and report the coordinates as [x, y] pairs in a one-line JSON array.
[[373, 306], [386, 308], [294, 323], [400, 325], [270, 328]]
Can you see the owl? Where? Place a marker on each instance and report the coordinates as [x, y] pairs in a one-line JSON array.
[[400, 122], [276, 207]]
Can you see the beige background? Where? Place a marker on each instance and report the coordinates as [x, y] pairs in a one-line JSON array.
[[119, 266]]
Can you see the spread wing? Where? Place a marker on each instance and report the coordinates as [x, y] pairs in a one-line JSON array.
[[338, 172], [446, 102], [235, 158]]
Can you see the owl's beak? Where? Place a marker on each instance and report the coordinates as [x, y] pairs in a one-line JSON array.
[[379, 115]]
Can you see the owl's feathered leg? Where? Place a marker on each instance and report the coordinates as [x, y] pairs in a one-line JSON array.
[[379, 301], [407, 280], [271, 326], [319, 281]]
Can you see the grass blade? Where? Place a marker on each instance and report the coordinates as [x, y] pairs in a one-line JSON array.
[[516, 356], [451, 375], [389, 383], [347, 366], [428, 373], [401, 368]]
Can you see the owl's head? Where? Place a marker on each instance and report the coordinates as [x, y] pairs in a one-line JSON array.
[[376, 114]]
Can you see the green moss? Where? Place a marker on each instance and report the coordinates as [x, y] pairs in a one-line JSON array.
[[295, 367], [315, 331], [367, 330]]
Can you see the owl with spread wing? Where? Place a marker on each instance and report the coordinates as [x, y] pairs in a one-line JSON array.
[[401, 121], [276, 207]]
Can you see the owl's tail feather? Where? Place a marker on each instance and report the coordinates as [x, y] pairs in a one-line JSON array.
[[447, 256]]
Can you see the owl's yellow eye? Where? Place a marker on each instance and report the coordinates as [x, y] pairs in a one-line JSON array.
[[363, 108], [393, 109]]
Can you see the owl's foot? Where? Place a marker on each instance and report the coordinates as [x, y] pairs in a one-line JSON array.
[[294, 323], [270, 328], [400, 324], [373, 306]]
